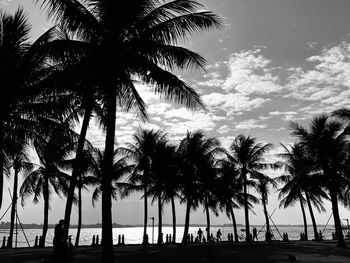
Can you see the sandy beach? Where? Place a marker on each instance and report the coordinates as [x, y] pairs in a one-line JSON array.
[[309, 251]]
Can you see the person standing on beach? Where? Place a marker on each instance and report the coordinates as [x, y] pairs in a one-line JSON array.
[[59, 244], [218, 235], [255, 234], [200, 234]]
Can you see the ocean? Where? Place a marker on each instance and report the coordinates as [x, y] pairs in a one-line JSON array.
[[133, 235]]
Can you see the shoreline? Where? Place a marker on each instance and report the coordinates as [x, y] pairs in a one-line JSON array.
[[302, 251]]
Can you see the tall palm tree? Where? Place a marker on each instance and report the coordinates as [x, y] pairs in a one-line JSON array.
[[326, 142], [263, 188], [23, 65], [52, 152], [229, 191], [16, 150], [161, 174], [247, 155], [122, 170], [194, 151], [142, 38], [142, 151]]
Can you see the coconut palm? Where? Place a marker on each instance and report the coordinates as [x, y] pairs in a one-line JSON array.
[[195, 152], [122, 169], [263, 188], [52, 152], [22, 65], [247, 155], [229, 191], [162, 175], [142, 151], [326, 142], [16, 150], [142, 39]]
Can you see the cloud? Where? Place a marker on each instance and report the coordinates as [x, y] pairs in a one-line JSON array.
[[233, 102], [250, 73], [286, 115], [250, 124], [328, 75]]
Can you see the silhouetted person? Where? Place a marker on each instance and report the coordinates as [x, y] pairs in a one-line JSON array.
[[320, 235], [200, 234], [59, 242], [255, 234], [218, 235]]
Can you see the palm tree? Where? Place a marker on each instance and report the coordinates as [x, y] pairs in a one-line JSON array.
[[247, 155], [194, 151], [229, 191], [142, 151], [161, 174], [16, 150], [142, 39], [52, 152], [263, 189], [22, 65], [122, 169], [326, 142]]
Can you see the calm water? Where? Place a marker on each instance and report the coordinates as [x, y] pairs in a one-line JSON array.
[[134, 235]]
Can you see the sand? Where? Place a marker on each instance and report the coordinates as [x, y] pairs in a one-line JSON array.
[[307, 251]]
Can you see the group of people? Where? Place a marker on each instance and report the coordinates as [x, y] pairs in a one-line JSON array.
[[201, 238]]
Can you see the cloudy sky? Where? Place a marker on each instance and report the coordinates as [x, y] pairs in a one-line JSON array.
[[273, 62]]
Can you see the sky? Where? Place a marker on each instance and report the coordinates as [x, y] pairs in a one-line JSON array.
[[273, 62]]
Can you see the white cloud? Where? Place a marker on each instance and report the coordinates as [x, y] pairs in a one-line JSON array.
[[233, 102], [249, 73], [250, 124]]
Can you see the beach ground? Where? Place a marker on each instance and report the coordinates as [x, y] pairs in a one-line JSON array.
[[299, 251]]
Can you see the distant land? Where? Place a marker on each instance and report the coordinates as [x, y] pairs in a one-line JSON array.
[[6, 225]]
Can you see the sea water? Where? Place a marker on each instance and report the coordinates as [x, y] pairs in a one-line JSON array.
[[133, 235]]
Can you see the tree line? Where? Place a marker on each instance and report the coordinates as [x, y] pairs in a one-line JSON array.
[[86, 66]]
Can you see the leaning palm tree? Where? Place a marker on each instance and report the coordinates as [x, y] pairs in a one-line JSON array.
[[247, 155], [326, 141], [142, 38]]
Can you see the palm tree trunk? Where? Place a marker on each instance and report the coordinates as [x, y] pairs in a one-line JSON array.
[[312, 216], [2, 161], [145, 220], [234, 223], [13, 208], [266, 215], [160, 232], [208, 218], [246, 211], [174, 218], [79, 217], [304, 217], [187, 222], [107, 234], [46, 210], [337, 223], [75, 172]]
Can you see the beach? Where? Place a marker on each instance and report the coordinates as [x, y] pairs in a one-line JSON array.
[[306, 251]]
